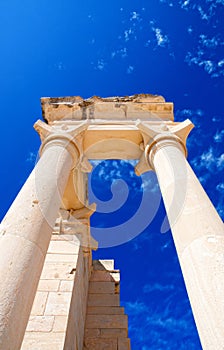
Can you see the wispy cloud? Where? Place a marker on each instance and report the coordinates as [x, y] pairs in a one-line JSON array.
[[59, 66], [32, 157], [211, 67], [135, 16], [207, 52], [148, 288], [101, 64], [220, 187], [209, 160], [182, 114], [159, 324], [212, 42], [219, 136], [161, 38], [130, 69], [135, 308]]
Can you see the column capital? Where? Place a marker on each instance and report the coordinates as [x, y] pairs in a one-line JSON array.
[[62, 135], [157, 137]]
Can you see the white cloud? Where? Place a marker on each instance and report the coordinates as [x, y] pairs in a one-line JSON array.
[[190, 29], [213, 68], [209, 42], [128, 33], [162, 39], [215, 2], [135, 16], [148, 288], [219, 136], [148, 42], [221, 63], [203, 14], [184, 4], [169, 3], [216, 119], [220, 162], [187, 113], [32, 157], [160, 320], [100, 64], [220, 209], [59, 66], [209, 160], [130, 69], [209, 66], [135, 308], [150, 182], [220, 187], [123, 52]]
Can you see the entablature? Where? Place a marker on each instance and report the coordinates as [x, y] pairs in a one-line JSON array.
[[112, 139], [139, 106]]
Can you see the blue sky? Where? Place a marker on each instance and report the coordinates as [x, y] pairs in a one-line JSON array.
[[105, 48]]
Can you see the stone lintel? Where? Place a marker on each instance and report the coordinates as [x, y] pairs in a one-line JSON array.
[[140, 106]]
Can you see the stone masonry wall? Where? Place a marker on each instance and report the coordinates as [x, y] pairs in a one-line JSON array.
[[58, 314], [74, 308], [106, 324]]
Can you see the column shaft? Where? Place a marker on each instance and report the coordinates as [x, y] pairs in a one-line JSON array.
[[25, 236], [199, 239]]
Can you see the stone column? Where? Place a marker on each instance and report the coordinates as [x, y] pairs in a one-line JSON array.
[[197, 230], [26, 233]]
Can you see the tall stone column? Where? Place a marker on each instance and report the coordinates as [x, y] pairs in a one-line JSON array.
[[197, 230], [26, 232]]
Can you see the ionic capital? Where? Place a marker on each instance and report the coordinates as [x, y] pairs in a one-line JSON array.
[[157, 137]]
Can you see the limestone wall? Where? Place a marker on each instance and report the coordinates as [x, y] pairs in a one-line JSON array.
[[77, 304], [58, 310], [106, 324]]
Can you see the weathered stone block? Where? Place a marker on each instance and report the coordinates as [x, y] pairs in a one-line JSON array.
[[40, 324], [43, 341], [106, 321], [58, 303], [100, 344], [114, 332], [48, 285], [66, 286], [60, 323], [101, 287], [101, 276], [92, 332], [59, 270], [105, 310], [103, 300], [72, 258], [124, 344], [63, 247], [39, 303]]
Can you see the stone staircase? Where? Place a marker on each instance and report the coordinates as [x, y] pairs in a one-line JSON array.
[[106, 326]]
